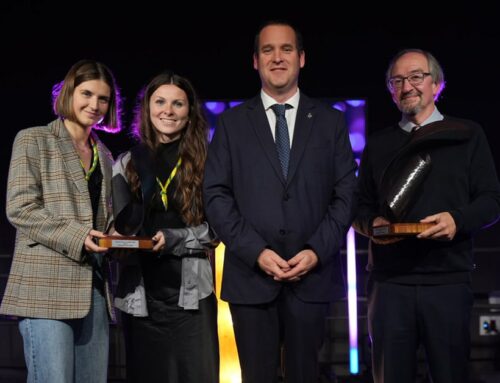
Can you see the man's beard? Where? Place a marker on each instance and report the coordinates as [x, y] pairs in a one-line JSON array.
[[413, 109]]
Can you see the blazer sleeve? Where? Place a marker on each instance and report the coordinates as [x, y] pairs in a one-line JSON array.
[[128, 211], [189, 240], [368, 208], [330, 234], [241, 239], [26, 206]]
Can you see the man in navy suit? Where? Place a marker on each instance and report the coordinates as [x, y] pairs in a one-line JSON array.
[[282, 212]]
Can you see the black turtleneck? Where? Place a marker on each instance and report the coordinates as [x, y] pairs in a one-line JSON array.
[[162, 275]]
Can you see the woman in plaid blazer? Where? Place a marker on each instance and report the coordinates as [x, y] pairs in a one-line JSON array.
[[58, 198]]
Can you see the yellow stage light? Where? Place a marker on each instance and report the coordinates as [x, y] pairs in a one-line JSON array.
[[229, 363]]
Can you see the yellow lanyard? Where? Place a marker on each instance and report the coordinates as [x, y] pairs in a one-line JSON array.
[[164, 187], [95, 159]]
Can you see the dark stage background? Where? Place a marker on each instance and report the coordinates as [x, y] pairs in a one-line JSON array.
[[347, 49], [347, 52]]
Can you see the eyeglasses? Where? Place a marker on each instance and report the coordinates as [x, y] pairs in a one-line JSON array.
[[397, 82]]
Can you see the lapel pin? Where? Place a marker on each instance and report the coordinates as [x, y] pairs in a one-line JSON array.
[[309, 115]]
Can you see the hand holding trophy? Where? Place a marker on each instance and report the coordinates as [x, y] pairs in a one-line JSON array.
[[400, 194], [125, 242]]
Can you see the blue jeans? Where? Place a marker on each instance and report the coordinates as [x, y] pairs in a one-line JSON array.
[[68, 351]]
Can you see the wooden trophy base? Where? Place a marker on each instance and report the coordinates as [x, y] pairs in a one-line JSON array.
[[400, 229], [118, 242]]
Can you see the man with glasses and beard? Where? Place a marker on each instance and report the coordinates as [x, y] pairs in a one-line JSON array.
[[419, 290]]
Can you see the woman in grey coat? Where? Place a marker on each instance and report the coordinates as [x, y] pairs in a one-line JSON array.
[[167, 295]]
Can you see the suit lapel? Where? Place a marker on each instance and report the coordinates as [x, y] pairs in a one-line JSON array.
[[103, 213], [70, 157], [303, 128], [260, 124], [142, 158]]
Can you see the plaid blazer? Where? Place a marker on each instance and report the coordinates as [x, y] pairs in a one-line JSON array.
[[49, 204]]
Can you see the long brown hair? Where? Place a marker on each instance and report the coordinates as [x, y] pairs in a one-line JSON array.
[[192, 147]]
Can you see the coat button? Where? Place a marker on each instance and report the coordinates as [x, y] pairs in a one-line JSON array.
[[282, 231], [286, 197]]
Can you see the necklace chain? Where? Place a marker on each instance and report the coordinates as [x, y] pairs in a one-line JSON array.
[[95, 160]]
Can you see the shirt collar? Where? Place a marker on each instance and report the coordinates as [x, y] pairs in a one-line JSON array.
[[407, 125], [268, 101]]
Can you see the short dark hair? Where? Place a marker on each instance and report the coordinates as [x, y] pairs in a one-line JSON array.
[[87, 70], [299, 40]]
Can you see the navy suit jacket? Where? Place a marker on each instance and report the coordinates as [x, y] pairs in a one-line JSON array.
[[251, 206]]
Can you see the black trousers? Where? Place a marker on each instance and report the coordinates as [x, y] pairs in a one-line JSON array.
[[173, 345], [261, 330], [401, 317]]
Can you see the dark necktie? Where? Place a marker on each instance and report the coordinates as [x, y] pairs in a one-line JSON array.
[[282, 138]]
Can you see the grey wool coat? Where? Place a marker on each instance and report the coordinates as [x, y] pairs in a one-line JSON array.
[[48, 202]]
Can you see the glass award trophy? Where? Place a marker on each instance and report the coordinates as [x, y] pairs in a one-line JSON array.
[[400, 196]]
